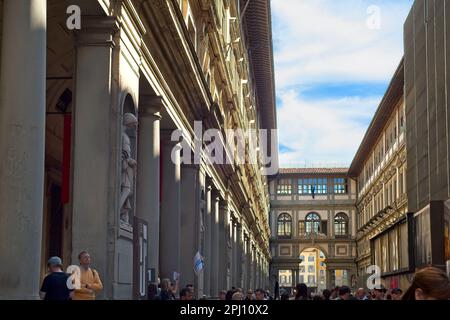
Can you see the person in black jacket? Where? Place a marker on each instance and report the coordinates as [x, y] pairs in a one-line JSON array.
[[54, 286]]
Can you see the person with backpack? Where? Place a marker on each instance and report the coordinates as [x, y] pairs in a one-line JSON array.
[[54, 287], [89, 279]]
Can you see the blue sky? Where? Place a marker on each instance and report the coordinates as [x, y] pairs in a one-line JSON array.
[[333, 62]]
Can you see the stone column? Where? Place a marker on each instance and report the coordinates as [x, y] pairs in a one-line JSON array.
[[259, 270], [22, 146], [397, 185], [243, 261], [294, 279], [223, 245], [263, 273], [248, 265], [256, 271], [190, 216], [234, 255], [229, 235], [95, 209], [253, 271], [330, 279], [148, 175], [207, 251], [266, 275], [215, 244], [239, 256], [169, 245], [200, 227]]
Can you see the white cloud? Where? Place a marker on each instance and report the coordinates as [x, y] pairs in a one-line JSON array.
[[320, 42], [322, 131]]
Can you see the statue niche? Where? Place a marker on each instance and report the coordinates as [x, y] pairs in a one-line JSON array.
[[128, 167]]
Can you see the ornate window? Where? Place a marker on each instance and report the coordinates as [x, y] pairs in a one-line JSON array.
[[341, 224], [312, 223], [284, 225]]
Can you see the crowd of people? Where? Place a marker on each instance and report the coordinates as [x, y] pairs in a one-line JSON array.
[[428, 284]]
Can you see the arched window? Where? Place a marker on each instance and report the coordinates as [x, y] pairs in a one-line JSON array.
[[312, 223], [341, 224], [284, 225]]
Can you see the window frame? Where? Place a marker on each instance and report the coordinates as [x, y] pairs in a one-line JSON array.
[[340, 186], [341, 223], [284, 223], [284, 187], [311, 224]]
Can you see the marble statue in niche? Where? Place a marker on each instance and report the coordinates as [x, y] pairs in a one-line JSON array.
[[128, 168]]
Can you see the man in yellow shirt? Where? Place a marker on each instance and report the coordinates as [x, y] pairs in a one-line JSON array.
[[89, 279]]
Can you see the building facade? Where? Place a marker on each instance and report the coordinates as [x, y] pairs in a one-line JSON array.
[[313, 269], [380, 168], [427, 87], [88, 159], [313, 228]]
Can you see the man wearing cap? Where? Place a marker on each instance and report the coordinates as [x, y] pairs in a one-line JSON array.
[[379, 293], [54, 286]]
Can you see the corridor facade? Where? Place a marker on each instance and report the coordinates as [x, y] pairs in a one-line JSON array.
[[385, 227], [88, 159]]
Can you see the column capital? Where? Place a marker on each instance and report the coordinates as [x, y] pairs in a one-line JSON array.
[[97, 31], [150, 106], [223, 204], [216, 194]]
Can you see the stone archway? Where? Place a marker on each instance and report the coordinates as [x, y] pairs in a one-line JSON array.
[[303, 246], [313, 268]]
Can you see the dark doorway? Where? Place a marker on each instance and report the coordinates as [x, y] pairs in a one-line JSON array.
[[55, 239]]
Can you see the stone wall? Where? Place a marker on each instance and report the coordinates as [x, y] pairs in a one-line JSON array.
[[1, 29], [427, 80]]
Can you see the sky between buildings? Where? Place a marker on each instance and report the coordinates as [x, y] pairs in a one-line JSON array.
[[333, 63]]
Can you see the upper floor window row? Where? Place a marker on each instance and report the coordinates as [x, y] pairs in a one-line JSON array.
[[313, 186]]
